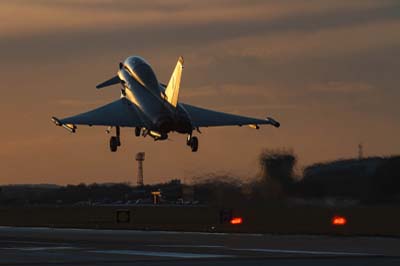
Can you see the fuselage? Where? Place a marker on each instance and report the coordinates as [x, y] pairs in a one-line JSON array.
[[141, 87]]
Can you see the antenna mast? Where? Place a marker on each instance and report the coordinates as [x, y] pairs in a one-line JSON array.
[[140, 159]]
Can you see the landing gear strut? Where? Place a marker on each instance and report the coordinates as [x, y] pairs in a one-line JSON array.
[[193, 142], [115, 141], [137, 131]]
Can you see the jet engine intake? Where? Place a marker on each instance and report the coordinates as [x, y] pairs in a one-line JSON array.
[[165, 124]]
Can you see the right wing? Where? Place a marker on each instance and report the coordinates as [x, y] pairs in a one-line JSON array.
[[118, 113], [208, 118]]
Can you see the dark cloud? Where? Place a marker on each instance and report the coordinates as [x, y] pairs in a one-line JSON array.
[[77, 41]]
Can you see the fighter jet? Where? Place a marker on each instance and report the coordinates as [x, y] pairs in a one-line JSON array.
[[153, 108]]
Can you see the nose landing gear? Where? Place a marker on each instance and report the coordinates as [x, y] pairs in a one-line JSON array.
[[193, 142]]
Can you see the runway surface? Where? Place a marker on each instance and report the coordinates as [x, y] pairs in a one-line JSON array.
[[46, 246]]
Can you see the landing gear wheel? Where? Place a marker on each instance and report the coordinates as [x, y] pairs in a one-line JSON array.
[[114, 143], [137, 131], [194, 144]]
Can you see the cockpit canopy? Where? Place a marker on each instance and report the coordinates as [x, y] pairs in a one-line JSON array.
[[142, 72]]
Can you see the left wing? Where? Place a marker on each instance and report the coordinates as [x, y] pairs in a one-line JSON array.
[[208, 118], [118, 113]]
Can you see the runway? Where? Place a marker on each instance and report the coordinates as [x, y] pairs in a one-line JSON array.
[[46, 246]]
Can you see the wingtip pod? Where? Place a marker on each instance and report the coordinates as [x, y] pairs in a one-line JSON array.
[[274, 122], [70, 127], [56, 121]]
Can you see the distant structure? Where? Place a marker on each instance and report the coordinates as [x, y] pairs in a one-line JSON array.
[[140, 159], [360, 151], [156, 196]]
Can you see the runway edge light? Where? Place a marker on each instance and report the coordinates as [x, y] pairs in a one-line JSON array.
[[338, 220], [236, 220]]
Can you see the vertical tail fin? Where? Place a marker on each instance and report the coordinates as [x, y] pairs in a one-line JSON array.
[[172, 90]]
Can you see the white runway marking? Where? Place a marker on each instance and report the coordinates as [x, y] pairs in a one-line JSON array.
[[306, 252], [187, 246], [161, 254], [268, 250], [41, 248], [32, 242], [118, 232]]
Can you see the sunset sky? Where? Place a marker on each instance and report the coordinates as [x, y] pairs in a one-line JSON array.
[[329, 71]]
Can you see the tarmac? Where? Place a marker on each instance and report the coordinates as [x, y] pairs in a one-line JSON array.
[[48, 246]]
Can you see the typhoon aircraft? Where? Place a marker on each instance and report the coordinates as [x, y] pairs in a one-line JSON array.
[[152, 108]]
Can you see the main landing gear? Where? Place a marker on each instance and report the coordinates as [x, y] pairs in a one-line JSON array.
[[193, 142], [115, 141], [138, 130]]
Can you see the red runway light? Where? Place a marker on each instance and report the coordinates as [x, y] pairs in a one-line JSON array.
[[237, 220], [339, 220]]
